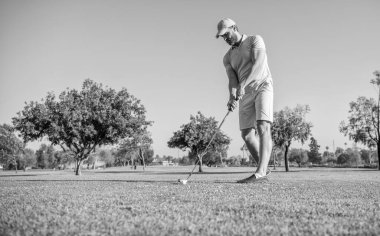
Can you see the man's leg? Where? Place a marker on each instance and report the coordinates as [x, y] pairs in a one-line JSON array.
[[252, 142], [260, 145], [265, 146]]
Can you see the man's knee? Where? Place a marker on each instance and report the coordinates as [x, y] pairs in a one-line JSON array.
[[263, 127], [247, 134]]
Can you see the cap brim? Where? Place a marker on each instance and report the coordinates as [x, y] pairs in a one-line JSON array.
[[220, 32]]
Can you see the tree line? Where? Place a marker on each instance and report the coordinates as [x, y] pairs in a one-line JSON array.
[[349, 157], [49, 157], [80, 122]]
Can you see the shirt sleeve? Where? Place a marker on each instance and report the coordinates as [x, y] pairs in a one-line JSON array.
[[258, 43], [226, 61]]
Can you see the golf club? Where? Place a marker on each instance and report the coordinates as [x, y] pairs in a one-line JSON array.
[[184, 181]]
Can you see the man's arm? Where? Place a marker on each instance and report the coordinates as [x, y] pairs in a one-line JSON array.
[[233, 84], [258, 57], [233, 81]]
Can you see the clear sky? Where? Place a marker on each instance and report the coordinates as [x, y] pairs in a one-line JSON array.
[[321, 53]]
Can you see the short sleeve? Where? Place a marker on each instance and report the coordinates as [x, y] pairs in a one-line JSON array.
[[226, 60], [258, 42]]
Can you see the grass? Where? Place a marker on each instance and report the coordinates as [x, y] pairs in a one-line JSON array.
[[121, 201]]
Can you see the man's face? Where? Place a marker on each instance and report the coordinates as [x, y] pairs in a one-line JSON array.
[[230, 37]]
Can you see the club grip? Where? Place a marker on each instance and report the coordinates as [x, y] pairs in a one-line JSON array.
[[236, 99]]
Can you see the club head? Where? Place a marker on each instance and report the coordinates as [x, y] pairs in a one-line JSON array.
[[182, 181]]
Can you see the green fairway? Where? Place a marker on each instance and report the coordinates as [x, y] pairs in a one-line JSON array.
[[121, 201]]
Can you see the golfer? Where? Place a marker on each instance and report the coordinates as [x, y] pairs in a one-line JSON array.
[[250, 85]]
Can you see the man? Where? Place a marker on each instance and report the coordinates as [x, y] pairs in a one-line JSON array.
[[250, 83]]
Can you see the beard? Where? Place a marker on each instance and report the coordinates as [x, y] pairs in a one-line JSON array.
[[230, 41]]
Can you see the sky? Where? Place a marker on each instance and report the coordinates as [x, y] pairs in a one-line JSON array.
[[320, 53]]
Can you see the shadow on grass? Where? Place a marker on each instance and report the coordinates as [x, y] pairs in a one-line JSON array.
[[16, 175], [242, 184], [336, 169], [94, 180], [120, 172], [173, 173], [174, 182]]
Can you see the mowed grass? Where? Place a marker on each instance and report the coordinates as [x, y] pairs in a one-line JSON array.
[[121, 201]]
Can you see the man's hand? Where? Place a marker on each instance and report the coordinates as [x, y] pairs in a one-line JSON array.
[[232, 104], [239, 92]]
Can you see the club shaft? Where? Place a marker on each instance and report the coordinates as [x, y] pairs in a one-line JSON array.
[[209, 143]]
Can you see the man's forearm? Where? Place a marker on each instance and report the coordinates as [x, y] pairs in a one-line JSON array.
[[233, 83], [251, 77], [232, 89], [259, 55]]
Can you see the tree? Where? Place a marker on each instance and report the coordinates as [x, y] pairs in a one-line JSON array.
[[354, 157], [101, 154], [91, 160], [338, 151], [148, 154], [343, 158], [126, 152], [298, 155], [365, 156], [235, 160], [290, 125], [27, 159], [221, 151], [196, 135], [143, 144], [136, 147], [277, 156], [79, 121], [11, 148], [215, 157], [363, 124], [106, 156], [185, 160], [45, 157], [328, 157], [313, 154], [63, 158], [325, 155]]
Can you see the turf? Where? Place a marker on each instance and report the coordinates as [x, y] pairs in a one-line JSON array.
[[121, 201]]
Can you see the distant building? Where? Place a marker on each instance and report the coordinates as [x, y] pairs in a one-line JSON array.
[[168, 163]]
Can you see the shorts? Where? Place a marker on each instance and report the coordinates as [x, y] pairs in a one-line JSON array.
[[256, 105]]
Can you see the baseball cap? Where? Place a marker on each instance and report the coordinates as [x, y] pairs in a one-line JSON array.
[[223, 25]]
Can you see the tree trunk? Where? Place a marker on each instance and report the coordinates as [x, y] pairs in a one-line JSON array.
[[142, 156], [378, 155], [200, 164], [78, 171], [286, 158]]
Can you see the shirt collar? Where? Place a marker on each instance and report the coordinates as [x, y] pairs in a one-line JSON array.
[[242, 40]]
